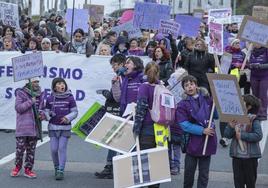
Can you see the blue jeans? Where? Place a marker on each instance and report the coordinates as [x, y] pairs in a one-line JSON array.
[[174, 155]]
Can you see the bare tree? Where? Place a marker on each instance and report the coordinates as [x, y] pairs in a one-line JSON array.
[[42, 7]]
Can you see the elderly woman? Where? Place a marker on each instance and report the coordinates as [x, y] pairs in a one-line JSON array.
[[46, 44], [105, 49]]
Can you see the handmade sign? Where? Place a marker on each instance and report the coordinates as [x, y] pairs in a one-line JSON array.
[[154, 165], [148, 15], [222, 16], [9, 14], [254, 30], [189, 25], [27, 66], [107, 134], [198, 13], [128, 27], [227, 96], [80, 19], [96, 12], [237, 19], [215, 38], [169, 27], [89, 120], [260, 12], [226, 60]]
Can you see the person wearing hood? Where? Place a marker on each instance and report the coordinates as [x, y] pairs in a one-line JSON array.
[[29, 101], [46, 44], [258, 64], [96, 39], [79, 44], [121, 46], [199, 62], [60, 110]]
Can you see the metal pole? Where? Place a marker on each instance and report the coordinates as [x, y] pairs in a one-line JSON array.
[[71, 45], [234, 7], [189, 7], [173, 9]]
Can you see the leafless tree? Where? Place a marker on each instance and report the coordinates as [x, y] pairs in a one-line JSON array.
[[42, 7], [29, 8]]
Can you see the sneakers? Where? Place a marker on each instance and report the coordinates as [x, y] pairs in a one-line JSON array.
[[15, 171], [29, 173], [59, 175], [174, 171], [224, 142], [107, 173]]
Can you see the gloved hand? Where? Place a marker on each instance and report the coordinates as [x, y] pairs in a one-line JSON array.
[[106, 93]]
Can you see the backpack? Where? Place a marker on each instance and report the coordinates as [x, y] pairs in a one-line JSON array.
[[163, 108]]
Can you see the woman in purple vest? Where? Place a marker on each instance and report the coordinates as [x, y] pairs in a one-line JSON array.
[[144, 125], [192, 115], [130, 82], [258, 63], [60, 110]]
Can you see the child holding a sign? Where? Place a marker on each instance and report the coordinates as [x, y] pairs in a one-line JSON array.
[[245, 149], [193, 113], [60, 110], [27, 133]]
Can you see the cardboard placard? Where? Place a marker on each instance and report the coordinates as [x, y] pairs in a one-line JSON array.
[[260, 12], [169, 27], [9, 14], [96, 12], [215, 38], [254, 30], [226, 61], [228, 99], [27, 66], [89, 120], [189, 25], [122, 142], [155, 168], [148, 15], [222, 16], [128, 27], [80, 19]]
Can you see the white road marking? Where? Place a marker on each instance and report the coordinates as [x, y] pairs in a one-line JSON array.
[[12, 156]]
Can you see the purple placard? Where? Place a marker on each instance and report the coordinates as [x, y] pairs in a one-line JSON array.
[[80, 19], [189, 25], [148, 15]]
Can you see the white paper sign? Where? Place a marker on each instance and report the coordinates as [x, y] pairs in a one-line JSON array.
[[27, 66], [9, 14], [222, 16], [226, 61]]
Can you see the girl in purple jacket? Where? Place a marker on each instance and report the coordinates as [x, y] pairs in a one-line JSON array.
[[27, 132], [60, 110]]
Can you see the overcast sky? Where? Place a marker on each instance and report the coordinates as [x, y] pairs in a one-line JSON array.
[[109, 5]]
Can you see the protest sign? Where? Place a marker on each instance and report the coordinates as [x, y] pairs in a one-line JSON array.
[[27, 66], [228, 99], [89, 120], [226, 60], [189, 25], [215, 38], [9, 14], [198, 13], [79, 72], [254, 30], [80, 19], [237, 19], [126, 16], [222, 16], [154, 165], [169, 27], [96, 12], [128, 26], [148, 15], [122, 142], [260, 12]]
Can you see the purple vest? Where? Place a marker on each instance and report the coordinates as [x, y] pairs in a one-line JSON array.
[[259, 55]]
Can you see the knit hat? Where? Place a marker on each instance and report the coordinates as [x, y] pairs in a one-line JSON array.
[[42, 23], [34, 79], [57, 80], [234, 41]]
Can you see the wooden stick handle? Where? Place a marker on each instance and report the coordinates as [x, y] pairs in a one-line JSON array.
[[247, 56]]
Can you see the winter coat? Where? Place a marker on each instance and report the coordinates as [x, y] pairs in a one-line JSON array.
[[59, 105], [25, 123], [250, 139], [192, 115], [198, 64], [237, 57], [84, 47], [166, 69]]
